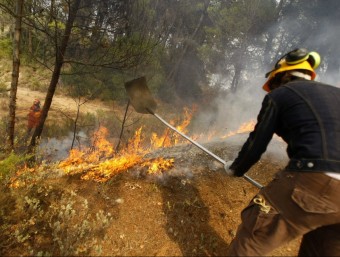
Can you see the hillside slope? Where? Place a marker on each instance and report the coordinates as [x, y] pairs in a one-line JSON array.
[[192, 209]]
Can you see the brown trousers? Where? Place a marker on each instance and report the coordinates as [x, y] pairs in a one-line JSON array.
[[294, 204]]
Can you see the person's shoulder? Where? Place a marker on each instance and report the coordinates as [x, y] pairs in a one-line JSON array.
[[310, 88], [279, 91], [307, 83]]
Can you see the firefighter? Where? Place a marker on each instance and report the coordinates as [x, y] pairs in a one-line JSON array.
[[33, 116], [303, 199]]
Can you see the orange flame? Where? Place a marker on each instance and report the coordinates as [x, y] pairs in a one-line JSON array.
[[158, 165], [21, 177], [245, 127], [88, 161], [170, 138]]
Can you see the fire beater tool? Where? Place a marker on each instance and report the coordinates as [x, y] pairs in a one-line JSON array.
[[143, 102]]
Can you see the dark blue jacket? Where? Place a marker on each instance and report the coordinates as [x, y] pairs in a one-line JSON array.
[[306, 114]]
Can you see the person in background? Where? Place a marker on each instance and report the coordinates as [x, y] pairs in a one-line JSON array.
[[33, 116], [303, 199]]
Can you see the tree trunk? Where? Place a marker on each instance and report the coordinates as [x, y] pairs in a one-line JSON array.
[[269, 44], [15, 73], [59, 60], [181, 56], [236, 78]]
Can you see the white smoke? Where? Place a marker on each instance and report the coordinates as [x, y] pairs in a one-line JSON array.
[[230, 111], [56, 149], [235, 109]]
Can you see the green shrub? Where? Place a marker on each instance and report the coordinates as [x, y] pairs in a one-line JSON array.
[[5, 47], [11, 163]]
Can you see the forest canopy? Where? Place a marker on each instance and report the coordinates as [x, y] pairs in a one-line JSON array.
[[183, 47], [190, 51]]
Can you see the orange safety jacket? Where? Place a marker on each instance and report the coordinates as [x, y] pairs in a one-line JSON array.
[[33, 117]]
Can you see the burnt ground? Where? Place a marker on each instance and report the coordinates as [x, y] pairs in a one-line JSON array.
[[192, 209]]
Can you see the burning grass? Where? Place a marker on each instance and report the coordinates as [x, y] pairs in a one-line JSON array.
[[101, 161]]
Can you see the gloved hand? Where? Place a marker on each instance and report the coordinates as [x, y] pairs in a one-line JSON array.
[[227, 168]]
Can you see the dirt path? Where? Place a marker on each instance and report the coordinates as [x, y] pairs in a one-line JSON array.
[[60, 103]]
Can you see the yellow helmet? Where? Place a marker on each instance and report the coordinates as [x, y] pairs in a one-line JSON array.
[[299, 59], [314, 59]]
